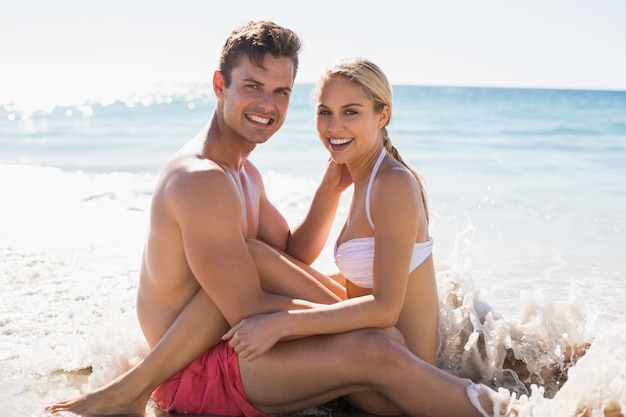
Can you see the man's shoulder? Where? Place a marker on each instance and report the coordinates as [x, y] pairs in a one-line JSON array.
[[192, 175], [252, 170]]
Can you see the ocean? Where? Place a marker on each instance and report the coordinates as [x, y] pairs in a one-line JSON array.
[[527, 195]]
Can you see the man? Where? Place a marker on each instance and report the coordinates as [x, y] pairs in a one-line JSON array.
[[198, 277]]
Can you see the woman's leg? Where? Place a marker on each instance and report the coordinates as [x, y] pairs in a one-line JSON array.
[[418, 321], [419, 324], [307, 372], [285, 275]]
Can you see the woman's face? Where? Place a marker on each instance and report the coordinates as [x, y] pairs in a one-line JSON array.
[[346, 121]]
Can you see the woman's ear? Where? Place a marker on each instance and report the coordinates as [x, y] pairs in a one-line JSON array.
[[218, 84], [384, 115]]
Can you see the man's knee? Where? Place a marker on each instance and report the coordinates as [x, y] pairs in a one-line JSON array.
[[255, 248], [252, 243]]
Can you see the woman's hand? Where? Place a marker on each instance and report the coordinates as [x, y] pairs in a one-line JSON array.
[[253, 336], [337, 176]]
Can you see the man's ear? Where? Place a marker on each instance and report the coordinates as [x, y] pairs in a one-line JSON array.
[[218, 84]]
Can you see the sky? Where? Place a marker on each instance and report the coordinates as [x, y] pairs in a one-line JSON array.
[[74, 48]]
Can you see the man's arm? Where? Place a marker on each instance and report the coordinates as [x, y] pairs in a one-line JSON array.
[[210, 211]]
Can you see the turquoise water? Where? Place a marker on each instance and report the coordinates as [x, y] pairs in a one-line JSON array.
[[526, 188]]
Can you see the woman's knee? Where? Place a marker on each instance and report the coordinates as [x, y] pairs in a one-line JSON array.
[[373, 347]]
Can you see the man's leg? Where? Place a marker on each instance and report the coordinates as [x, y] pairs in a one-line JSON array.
[[308, 372], [198, 327]]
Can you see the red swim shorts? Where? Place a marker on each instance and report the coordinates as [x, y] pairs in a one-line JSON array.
[[209, 385]]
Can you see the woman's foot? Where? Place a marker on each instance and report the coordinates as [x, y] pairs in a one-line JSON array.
[[489, 402], [499, 404]]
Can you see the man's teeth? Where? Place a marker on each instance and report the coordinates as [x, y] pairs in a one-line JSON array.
[[259, 119], [339, 141]]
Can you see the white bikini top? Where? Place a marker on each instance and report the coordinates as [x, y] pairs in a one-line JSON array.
[[355, 257]]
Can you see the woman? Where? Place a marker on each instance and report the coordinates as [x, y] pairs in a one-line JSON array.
[[383, 251]]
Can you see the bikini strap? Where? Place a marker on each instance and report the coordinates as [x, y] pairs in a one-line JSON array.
[[369, 187]]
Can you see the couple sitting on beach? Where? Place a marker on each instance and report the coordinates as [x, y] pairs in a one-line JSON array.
[[237, 321]]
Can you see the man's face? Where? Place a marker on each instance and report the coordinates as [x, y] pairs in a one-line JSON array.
[[255, 103]]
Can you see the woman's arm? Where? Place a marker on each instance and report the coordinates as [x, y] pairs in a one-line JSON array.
[[394, 209], [308, 239]]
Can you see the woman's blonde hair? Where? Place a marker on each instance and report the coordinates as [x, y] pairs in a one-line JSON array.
[[376, 87]]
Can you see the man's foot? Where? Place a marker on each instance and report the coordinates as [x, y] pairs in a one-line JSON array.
[[109, 400]]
